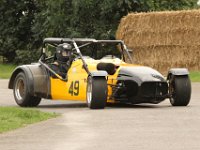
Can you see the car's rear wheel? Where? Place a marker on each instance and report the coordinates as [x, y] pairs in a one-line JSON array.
[[96, 92], [21, 94], [180, 90]]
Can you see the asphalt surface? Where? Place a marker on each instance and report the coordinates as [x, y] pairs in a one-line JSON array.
[[141, 127]]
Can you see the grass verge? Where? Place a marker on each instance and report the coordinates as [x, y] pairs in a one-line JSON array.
[[195, 76], [14, 117], [6, 70]]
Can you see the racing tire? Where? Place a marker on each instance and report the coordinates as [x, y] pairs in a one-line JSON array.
[[180, 90], [21, 93], [96, 95]]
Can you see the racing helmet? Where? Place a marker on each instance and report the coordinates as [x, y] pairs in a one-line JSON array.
[[63, 52]]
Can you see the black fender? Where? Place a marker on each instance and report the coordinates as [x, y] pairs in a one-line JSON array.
[[177, 72], [37, 78], [140, 84]]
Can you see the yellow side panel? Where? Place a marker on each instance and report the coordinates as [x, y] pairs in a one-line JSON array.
[[112, 80], [74, 88], [61, 90]]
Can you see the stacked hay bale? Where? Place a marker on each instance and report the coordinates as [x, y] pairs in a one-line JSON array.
[[163, 39]]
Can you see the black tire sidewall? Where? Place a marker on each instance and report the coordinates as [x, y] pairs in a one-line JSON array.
[[182, 87], [99, 92]]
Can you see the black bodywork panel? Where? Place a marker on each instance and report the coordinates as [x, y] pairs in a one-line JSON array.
[[140, 85]]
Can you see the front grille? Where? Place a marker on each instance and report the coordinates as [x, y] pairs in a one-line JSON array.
[[125, 89], [154, 89]]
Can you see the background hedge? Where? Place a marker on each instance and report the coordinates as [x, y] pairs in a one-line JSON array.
[[24, 23]]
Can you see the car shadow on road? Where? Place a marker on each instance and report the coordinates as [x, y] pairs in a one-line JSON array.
[[137, 106], [108, 106], [73, 105]]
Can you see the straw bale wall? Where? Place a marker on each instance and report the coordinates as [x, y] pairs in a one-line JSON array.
[[163, 39]]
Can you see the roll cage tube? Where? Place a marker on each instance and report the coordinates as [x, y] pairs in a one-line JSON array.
[[52, 71], [126, 50], [52, 42], [79, 53], [55, 41]]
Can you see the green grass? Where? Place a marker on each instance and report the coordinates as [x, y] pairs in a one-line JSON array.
[[195, 76], [6, 70], [15, 117]]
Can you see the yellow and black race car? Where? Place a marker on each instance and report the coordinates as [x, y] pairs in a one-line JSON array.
[[96, 72]]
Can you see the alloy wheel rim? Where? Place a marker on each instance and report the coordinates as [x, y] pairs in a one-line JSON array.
[[20, 90], [89, 93]]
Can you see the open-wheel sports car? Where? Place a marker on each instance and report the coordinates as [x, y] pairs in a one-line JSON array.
[[96, 72]]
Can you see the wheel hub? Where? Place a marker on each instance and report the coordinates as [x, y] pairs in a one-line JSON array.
[[20, 89]]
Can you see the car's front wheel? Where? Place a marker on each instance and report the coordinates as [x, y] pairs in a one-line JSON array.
[[180, 90], [21, 94], [96, 92]]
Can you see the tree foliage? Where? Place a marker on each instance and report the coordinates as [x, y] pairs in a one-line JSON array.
[[16, 19], [24, 23]]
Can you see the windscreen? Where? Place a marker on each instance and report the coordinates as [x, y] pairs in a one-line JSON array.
[[102, 50]]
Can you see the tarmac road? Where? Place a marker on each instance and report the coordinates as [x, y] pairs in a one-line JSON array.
[[127, 127]]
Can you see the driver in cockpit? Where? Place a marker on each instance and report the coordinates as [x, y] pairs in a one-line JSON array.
[[62, 59]]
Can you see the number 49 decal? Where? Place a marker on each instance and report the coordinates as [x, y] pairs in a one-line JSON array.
[[74, 88]]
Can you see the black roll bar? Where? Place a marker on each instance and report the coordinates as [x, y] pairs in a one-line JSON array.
[[55, 41]]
